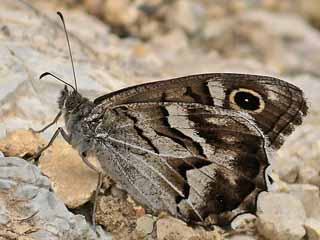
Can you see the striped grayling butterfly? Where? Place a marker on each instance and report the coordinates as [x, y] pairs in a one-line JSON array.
[[195, 146]]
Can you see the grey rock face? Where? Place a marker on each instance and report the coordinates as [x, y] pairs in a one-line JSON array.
[[27, 200]]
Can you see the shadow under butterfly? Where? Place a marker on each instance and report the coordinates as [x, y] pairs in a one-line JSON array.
[[196, 146]]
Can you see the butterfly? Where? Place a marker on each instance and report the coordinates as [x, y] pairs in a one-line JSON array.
[[196, 146]]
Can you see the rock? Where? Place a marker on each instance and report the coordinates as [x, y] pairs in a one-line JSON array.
[[280, 216], [225, 37], [175, 229], [72, 180], [308, 174], [29, 208], [287, 168], [186, 15], [242, 237], [310, 10], [4, 219], [120, 12], [117, 216], [303, 145], [312, 227], [265, 37], [277, 185], [309, 195], [26, 101], [21, 143], [244, 223], [94, 7], [168, 228], [145, 225], [166, 40]]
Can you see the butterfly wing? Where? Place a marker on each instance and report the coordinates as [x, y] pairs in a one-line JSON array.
[[275, 105], [194, 161]]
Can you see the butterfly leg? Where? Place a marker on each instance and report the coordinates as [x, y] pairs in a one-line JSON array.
[[49, 125], [89, 164], [59, 130], [99, 184], [100, 178]]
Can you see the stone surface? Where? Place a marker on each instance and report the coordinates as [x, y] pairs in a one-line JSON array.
[[280, 217], [21, 143], [145, 225], [308, 174], [287, 168], [242, 237], [172, 228], [245, 223], [94, 7], [30, 209], [72, 180], [113, 12], [312, 227], [309, 195], [186, 15], [151, 12], [27, 54], [117, 215], [170, 39]]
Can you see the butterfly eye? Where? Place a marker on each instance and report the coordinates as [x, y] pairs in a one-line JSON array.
[[246, 100]]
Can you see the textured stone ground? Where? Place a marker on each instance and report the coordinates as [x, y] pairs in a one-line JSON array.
[[142, 41]]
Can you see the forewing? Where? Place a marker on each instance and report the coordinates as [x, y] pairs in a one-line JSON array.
[[284, 103], [191, 160]]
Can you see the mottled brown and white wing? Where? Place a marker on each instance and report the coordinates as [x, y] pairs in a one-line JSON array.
[[276, 105], [194, 161]]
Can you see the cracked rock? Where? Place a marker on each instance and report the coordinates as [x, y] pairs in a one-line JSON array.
[[30, 209]]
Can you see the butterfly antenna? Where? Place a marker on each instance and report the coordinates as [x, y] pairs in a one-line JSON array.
[[65, 30], [59, 79]]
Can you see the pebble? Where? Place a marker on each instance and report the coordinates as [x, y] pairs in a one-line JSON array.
[[312, 227], [280, 217], [145, 225], [184, 16], [170, 227], [94, 7], [287, 168], [308, 174], [241, 237], [309, 195], [310, 9], [120, 12]]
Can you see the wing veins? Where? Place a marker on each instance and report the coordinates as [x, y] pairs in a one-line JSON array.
[[154, 153], [165, 179], [124, 173]]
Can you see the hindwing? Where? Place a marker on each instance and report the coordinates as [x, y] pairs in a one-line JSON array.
[[194, 161]]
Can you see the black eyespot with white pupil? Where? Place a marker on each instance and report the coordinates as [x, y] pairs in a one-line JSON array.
[[246, 100]]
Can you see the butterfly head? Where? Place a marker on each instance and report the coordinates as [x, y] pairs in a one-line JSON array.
[[68, 101]]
